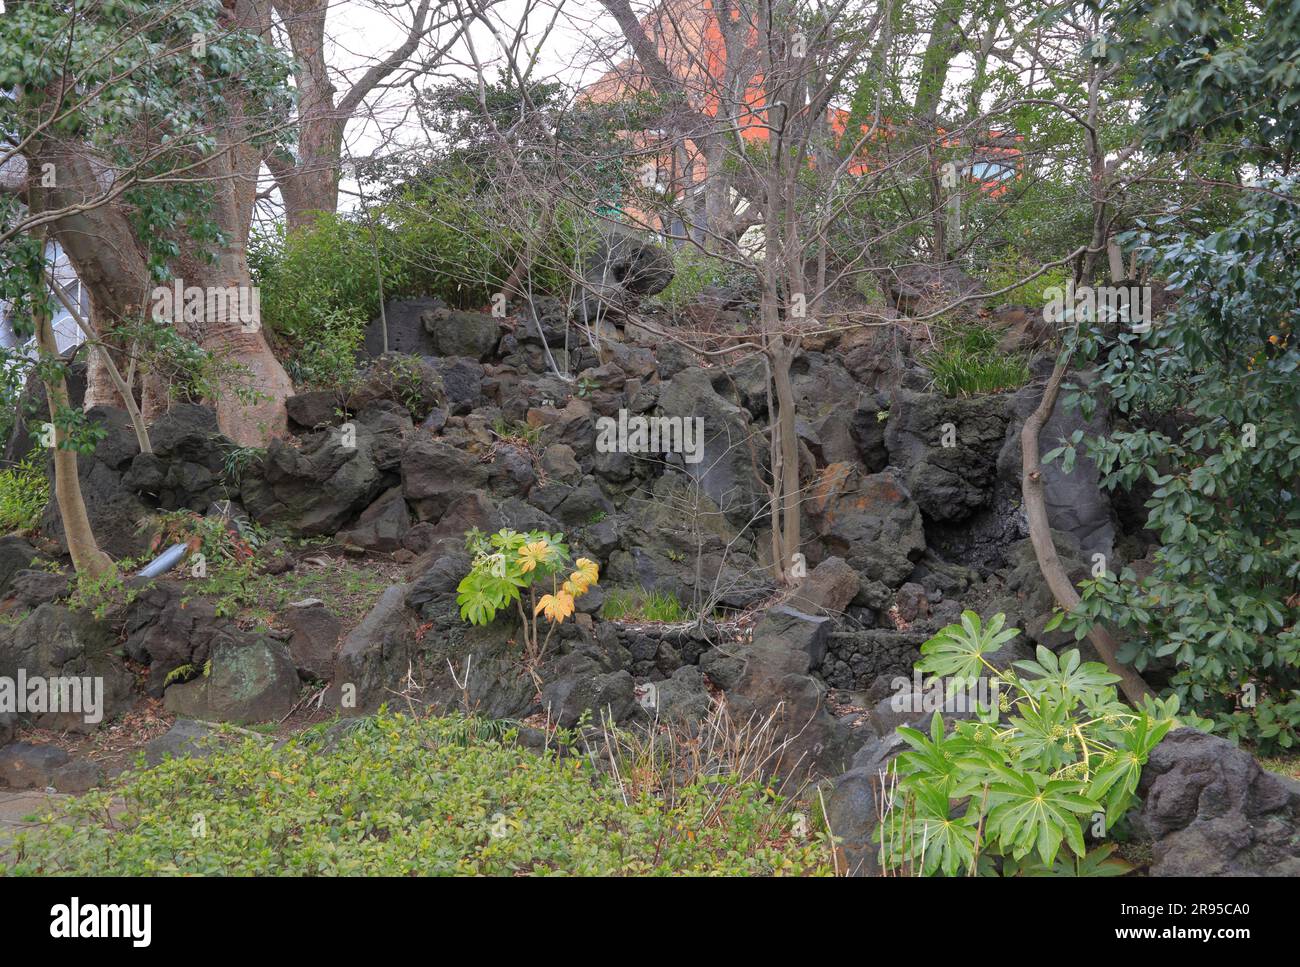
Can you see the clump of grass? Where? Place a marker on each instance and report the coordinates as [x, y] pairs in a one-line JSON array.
[[637, 605], [515, 432], [968, 363], [24, 491]]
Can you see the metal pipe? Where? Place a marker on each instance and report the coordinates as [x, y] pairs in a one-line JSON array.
[[164, 562]]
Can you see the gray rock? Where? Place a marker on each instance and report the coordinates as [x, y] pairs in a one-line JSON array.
[[15, 555], [252, 680], [775, 684], [435, 473], [315, 636], [684, 697], [311, 411], [585, 688], [857, 660], [376, 655], [794, 629], [623, 267], [1075, 502], [558, 463], [24, 765], [462, 381], [723, 669], [115, 512], [1210, 810], [409, 327], [725, 471], [316, 489], [381, 526], [185, 739], [829, 588], [471, 334], [411, 382], [869, 520], [166, 629], [948, 483], [55, 643], [77, 777], [856, 802], [31, 589]]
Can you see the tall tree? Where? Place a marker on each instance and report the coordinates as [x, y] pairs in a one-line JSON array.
[[143, 126]]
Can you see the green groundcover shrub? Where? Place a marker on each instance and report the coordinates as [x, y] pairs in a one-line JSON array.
[[404, 796], [24, 491]]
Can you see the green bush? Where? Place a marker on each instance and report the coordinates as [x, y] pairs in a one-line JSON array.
[[1055, 753], [692, 271], [319, 288], [443, 236], [969, 363], [24, 492], [1005, 270], [1222, 602], [400, 796]]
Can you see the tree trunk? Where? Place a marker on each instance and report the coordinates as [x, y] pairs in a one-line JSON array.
[[1040, 534], [788, 495], [87, 558], [249, 423]]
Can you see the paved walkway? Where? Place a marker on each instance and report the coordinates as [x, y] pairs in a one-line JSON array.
[[16, 805]]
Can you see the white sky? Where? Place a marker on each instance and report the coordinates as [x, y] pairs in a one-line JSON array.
[[362, 30]]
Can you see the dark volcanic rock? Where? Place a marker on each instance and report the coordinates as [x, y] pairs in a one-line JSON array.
[[250, 680], [315, 638], [725, 468], [868, 520], [311, 411], [381, 526], [947, 482], [409, 327], [1210, 810], [15, 555], [168, 629], [115, 513], [776, 683], [316, 489], [55, 643]]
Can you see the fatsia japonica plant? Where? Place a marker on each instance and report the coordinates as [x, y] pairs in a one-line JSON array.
[[1012, 791], [507, 566]]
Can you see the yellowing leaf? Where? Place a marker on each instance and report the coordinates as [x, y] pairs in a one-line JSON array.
[[531, 555], [556, 606], [589, 570]]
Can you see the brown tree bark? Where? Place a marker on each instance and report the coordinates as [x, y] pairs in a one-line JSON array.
[[308, 179], [87, 558], [1040, 534]]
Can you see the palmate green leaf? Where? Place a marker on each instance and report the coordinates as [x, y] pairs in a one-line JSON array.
[[1065, 674], [1117, 781], [1031, 812], [955, 651], [934, 760], [1041, 733], [941, 842], [1097, 862], [481, 595]]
